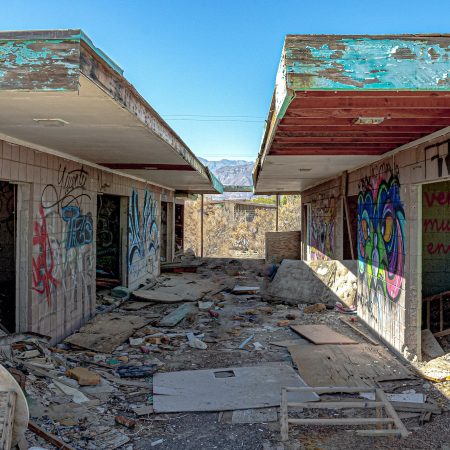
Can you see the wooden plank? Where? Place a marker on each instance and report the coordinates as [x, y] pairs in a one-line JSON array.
[[284, 428], [7, 420], [347, 365], [378, 433], [381, 396], [321, 334], [336, 405], [107, 331], [49, 437], [442, 333], [352, 421], [353, 327], [331, 389]]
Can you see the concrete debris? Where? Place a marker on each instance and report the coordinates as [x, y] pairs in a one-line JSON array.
[[315, 308], [113, 383]]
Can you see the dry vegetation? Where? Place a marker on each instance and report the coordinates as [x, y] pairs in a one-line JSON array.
[[229, 234]]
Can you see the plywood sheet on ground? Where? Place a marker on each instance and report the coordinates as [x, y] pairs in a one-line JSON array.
[[178, 288], [347, 365], [225, 389], [321, 334], [107, 331]]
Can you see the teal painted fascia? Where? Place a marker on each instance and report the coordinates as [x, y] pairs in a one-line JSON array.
[[216, 184], [366, 63]]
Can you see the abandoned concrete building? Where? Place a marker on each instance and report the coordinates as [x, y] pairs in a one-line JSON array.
[[359, 126], [113, 335], [90, 175]]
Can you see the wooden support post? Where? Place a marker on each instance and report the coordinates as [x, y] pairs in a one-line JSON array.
[[201, 225], [277, 212], [347, 216]]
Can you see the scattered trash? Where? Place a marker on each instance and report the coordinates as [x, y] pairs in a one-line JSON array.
[[245, 342], [85, 377], [241, 290], [205, 306], [136, 371], [345, 309], [195, 342], [125, 421]]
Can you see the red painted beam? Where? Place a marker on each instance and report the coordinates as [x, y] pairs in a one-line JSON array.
[[147, 166], [351, 113], [374, 93], [337, 102], [370, 128], [334, 121], [316, 150], [355, 134], [349, 139], [331, 145]]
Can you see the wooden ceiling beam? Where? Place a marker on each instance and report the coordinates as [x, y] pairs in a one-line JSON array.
[[336, 139], [276, 146], [352, 113], [370, 128], [368, 94], [355, 134], [332, 121], [316, 150], [370, 102]]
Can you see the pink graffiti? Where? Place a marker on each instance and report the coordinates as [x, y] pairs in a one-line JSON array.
[[43, 264]]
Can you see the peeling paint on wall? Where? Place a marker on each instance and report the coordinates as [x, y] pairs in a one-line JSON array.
[[362, 62]]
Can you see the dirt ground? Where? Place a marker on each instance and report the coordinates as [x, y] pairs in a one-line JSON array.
[[238, 317]]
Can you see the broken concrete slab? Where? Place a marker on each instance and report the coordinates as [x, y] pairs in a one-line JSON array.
[[107, 331], [225, 389], [315, 281], [157, 297], [177, 315], [430, 346]]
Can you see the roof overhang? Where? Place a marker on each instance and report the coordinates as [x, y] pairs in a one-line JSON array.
[[58, 91], [344, 101]]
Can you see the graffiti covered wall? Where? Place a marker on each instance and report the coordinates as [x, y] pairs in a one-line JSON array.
[[143, 237], [435, 238], [381, 249], [323, 227], [63, 258]]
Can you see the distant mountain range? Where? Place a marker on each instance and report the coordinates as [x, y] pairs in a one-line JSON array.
[[232, 172]]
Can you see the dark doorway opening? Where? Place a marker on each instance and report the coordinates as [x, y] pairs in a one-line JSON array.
[[108, 260], [351, 223], [163, 243], [179, 228], [8, 234]]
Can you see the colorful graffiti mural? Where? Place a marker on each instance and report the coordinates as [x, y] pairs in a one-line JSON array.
[[381, 236], [323, 226], [80, 226], [143, 235]]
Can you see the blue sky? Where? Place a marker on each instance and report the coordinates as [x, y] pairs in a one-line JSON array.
[[198, 61]]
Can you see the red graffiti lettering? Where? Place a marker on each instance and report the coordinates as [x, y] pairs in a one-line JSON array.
[[441, 198], [43, 264], [435, 225], [438, 248]]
